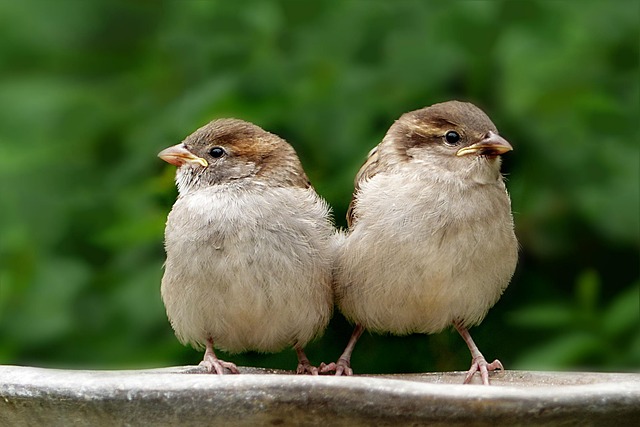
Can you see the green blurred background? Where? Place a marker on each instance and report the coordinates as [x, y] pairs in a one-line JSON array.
[[90, 91]]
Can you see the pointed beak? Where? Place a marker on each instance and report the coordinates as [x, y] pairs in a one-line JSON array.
[[491, 145], [178, 155]]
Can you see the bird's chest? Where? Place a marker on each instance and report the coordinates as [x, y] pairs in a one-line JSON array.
[[228, 227], [422, 254], [398, 202], [433, 225]]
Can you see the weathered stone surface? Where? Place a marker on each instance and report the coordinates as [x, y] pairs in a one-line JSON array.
[[181, 396]]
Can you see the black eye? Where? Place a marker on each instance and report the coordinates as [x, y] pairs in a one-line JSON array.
[[452, 137], [216, 152]]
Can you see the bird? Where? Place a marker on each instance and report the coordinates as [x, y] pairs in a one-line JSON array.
[[430, 241], [249, 246]]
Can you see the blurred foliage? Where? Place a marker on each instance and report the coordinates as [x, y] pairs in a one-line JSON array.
[[91, 91]]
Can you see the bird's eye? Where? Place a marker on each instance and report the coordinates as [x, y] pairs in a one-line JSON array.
[[216, 152], [452, 137]]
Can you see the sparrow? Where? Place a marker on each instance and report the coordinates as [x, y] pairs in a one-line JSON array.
[[249, 246], [430, 239]]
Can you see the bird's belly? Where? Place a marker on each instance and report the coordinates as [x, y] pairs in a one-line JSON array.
[[243, 303], [422, 295], [420, 281], [258, 286]]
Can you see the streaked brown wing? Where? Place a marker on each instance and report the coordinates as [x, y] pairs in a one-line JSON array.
[[370, 167]]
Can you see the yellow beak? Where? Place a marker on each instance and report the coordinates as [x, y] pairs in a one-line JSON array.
[[178, 155], [491, 145]]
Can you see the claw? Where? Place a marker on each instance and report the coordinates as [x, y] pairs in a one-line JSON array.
[[327, 369], [343, 365], [218, 366], [212, 364], [304, 366], [480, 364], [341, 368]]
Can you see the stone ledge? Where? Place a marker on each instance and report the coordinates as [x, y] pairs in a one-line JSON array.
[[170, 396]]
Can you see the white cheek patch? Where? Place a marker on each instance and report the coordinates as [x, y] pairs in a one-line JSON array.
[[184, 176]]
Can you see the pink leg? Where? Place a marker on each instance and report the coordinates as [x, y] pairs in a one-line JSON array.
[[343, 366], [478, 361], [304, 366], [213, 364]]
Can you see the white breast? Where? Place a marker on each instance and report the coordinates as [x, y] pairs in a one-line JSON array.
[[250, 269], [419, 257]]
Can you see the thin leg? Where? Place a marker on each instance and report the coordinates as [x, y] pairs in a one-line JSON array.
[[478, 361], [213, 364], [343, 366], [304, 366]]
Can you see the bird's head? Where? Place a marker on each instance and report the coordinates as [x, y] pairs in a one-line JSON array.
[[230, 150], [453, 135]]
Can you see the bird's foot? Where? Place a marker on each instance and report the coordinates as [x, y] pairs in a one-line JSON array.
[[213, 365], [305, 368], [341, 367], [480, 364]]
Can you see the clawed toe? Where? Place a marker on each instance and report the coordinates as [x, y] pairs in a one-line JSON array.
[[217, 366], [304, 366], [341, 368], [214, 365], [327, 368], [480, 364], [306, 369]]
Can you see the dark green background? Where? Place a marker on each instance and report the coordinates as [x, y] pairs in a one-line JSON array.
[[90, 91]]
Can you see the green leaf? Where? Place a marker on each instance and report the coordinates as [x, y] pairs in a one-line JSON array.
[[623, 313], [547, 316], [587, 291], [562, 352]]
